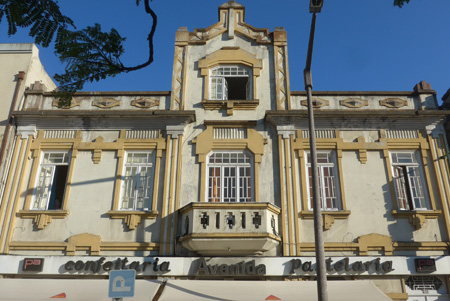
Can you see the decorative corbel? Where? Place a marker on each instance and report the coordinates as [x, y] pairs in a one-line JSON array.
[[328, 221], [42, 220], [417, 220]]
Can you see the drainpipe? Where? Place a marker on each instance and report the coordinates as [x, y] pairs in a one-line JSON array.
[[20, 78]]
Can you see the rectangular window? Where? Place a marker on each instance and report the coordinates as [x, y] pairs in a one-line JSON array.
[[408, 180], [138, 181], [51, 182], [327, 181], [230, 83], [229, 177]]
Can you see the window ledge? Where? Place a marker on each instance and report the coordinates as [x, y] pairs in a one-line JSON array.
[[132, 218], [43, 217], [230, 105], [328, 216], [417, 217]]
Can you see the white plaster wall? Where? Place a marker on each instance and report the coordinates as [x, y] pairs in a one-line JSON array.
[[15, 58]]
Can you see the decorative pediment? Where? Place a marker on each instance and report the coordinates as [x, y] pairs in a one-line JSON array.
[[231, 21], [354, 103], [145, 103], [316, 102], [106, 103], [393, 103]]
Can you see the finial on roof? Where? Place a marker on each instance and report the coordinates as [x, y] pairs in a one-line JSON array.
[[231, 3]]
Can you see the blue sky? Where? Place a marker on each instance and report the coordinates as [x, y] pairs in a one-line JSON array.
[[366, 45]]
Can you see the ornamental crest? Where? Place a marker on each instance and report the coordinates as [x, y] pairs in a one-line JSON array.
[[393, 103], [316, 102], [145, 103]]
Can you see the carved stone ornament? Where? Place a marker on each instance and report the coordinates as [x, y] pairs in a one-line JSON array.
[[73, 103], [106, 103], [145, 103], [354, 103], [393, 103], [316, 102]]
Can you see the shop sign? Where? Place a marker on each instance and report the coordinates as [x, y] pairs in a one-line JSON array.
[[344, 265], [425, 265], [101, 265], [33, 264], [242, 268]]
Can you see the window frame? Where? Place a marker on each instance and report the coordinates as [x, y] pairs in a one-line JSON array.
[[50, 186], [224, 87], [337, 193], [238, 177], [408, 186], [150, 183]]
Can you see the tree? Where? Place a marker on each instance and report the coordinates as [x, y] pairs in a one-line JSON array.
[[400, 3], [89, 54]]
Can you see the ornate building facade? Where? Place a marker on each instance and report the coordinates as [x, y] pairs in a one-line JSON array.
[[210, 182]]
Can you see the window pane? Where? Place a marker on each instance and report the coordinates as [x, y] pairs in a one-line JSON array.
[[43, 186], [51, 182]]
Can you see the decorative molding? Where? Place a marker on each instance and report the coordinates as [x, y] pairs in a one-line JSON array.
[[178, 78], [106, 103], [417, 218], [375, 242], [132, 218], [145, 103], [316, 102], [83, 241], [230, 105], [354, 103], [42, 218], [328, 216], [73, 103], [393, 103], [282, 78]]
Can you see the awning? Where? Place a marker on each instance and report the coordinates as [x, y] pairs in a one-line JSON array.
[[356, 290], [69, 289], [187, 290]]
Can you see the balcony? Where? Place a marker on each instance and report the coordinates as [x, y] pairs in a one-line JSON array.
[[229, 229]]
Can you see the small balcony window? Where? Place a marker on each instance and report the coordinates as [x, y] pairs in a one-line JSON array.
[[230, 83]]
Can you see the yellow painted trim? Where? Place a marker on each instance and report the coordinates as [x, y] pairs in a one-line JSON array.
[[290, 215], [205, 144], [430, 191], [437, 176], [227, 56], [173, 184], [62, 246], [73, 157], [276, 72], [164, 210], [340, 172], [284, 233], [295, 200], [444, 171], [6, 195], [397, 246], [304, 186], [24, 149]]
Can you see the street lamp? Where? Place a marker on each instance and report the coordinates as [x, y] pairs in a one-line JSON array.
[[315, 6]]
